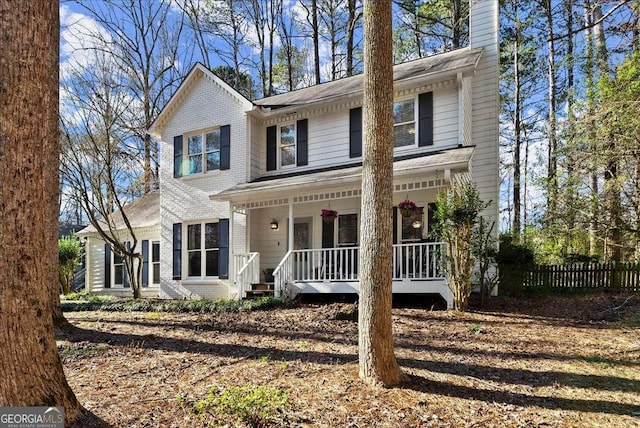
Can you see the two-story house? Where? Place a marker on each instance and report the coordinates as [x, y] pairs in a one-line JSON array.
[[244, 184]]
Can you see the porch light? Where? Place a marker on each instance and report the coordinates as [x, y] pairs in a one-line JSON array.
[[274, 224], [417, 224]]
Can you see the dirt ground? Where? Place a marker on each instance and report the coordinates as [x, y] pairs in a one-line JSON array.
[[551, 362]]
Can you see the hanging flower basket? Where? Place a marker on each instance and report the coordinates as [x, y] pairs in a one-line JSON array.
[[407, 208], [328, 216]]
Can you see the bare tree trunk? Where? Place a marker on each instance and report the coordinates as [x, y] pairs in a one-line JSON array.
[[517, 143], [590, 95], [570, 157], [30, 368], [636, 26], [417, 31], [611, 186], [351, 23], [378, 364], [457, 18], [552, 166], [316, 41]]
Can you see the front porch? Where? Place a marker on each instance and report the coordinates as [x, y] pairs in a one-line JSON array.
[[281, 226], [418, 268]]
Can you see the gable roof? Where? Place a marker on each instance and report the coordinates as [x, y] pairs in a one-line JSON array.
[[449, 62], [196, 71], [141, 213]]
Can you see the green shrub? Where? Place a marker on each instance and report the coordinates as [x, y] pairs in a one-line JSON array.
[[513, 261], [254, 405], [98, 303], [69, 253]]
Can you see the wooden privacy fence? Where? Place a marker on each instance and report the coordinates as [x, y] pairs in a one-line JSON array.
[[583, 276]]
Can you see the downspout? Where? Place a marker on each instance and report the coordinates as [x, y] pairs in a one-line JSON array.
[[232, 259], [461, 120]]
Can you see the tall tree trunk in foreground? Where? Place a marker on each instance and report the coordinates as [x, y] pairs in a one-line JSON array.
[[378, 363], [552, 156], [30, 368]]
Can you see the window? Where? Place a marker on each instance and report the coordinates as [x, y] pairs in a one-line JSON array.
[[412, 226], [155, 262], [202, 250], [205, 155], [118, 270], [404, 122], [347, 230], [287, 145]]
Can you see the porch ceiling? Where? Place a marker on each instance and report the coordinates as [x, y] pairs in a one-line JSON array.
[[456, 159]]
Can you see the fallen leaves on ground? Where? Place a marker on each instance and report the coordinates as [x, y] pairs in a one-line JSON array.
[[551, 362]]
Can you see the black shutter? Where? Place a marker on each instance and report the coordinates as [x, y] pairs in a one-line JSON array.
[[271, 148], [355, 132], [177, 156], [177, 250], [302, 145], [107, 266], [425, 119], [225, 147], [223, 256], [145, 263], [395, 225], [327, 234]]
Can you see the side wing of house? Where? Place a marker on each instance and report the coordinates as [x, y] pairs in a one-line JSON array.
[[105, 270], [106, 273]]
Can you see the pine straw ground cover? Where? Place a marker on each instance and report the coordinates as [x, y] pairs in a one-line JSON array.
[[553, 362]]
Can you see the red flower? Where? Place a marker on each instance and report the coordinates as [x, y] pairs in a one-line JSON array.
[[408, 205]]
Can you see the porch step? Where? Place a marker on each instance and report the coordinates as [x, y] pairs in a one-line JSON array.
[[256, 294], [260, 289]]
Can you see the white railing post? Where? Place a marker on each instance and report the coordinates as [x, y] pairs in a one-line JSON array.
[[249, 271]]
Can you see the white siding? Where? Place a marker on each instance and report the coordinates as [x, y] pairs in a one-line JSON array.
[[96, 268], [467, 111], [257, 149], [186, 199], [328, 133], [484, 33]]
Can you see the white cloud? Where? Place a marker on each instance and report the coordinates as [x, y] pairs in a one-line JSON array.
[[79, 36]]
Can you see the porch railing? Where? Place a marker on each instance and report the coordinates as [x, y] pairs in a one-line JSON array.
[[248, 265], [424, 260], [417, 261]]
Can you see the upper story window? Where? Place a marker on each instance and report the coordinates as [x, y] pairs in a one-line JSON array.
[[404, 122], [412, 124], [204, 151], [287, 145], [203, 247]]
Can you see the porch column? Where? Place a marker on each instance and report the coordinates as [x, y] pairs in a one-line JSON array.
[[290, 239]]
